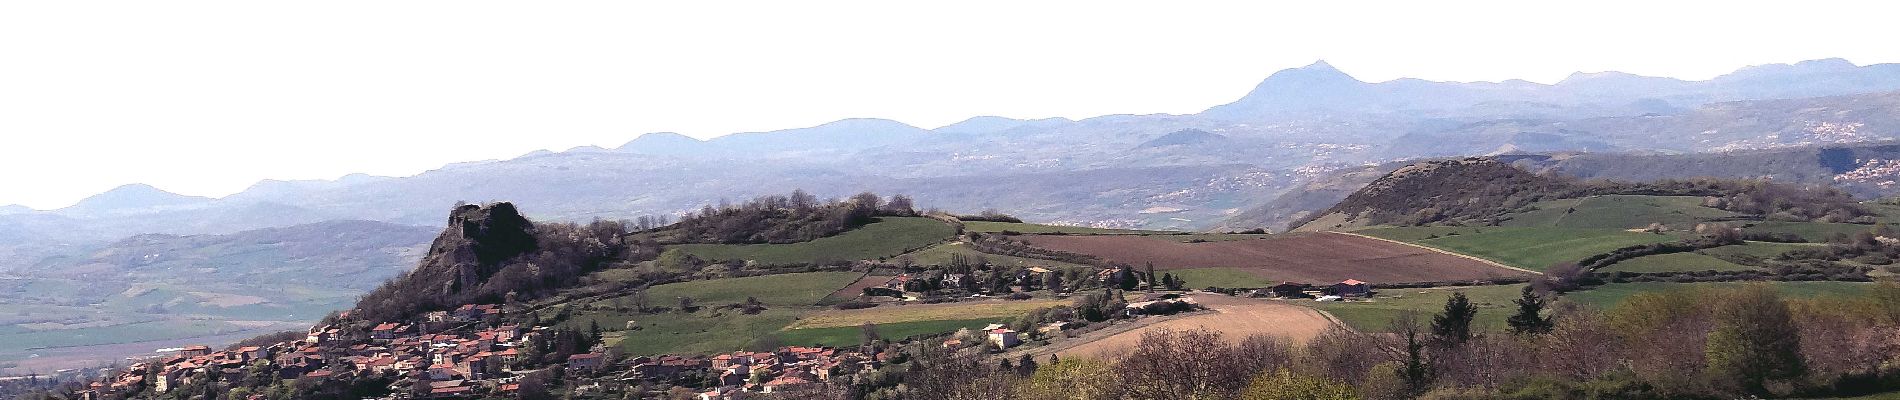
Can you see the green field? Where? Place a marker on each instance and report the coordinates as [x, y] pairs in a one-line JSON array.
[[1759, 249], [1610, 295], [940, 255], [1522, 247], [852, 335], [1676, 262], [788, 297], [1376, 315], [1221, 277], [989, 227], [1618, 212], [801, 289], [1811, 231], [1414, 234], [701, 332], [886, 238]]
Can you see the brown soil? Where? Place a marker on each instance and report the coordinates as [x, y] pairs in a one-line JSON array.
[[856, 289], [1234, 317]]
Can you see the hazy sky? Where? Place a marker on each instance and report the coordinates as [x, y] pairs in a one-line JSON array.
[[206, 98]]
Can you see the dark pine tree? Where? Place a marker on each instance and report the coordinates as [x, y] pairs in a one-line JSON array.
[[1529, 319], [1452, 327]]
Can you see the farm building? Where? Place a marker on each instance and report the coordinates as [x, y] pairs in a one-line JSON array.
[[1005, 338], [1350, 288], [1290, 290]]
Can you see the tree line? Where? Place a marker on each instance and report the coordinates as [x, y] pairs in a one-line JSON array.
[[797, 217]]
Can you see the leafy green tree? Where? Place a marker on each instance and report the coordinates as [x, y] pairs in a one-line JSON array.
[[1128, 280], [1452, 327], [1755, 340], [1529, 318]]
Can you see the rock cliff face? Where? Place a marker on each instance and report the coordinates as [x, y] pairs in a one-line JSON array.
[[479, 242], [478, 239]]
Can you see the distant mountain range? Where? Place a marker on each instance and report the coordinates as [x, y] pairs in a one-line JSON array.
[[1296, 128]]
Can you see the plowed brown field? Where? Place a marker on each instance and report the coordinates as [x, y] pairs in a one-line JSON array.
[[1234, 317], [1308, 258]]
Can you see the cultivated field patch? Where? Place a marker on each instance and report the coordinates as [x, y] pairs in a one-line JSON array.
[[1234, 317], [1313, 258], [891, 314]]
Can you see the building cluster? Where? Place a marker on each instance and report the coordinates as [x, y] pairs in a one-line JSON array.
[[469, 361], [744, 371]]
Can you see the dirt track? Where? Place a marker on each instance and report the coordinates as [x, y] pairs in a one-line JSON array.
[[1234, 317], [1310, 258]]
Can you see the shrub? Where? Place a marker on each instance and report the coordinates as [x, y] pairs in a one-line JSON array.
[[854, 305]]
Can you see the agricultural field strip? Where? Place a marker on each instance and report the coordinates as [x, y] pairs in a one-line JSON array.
[[887, 314], [1445, 252]]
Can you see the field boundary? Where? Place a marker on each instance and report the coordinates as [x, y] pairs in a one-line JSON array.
[[1443, 251]]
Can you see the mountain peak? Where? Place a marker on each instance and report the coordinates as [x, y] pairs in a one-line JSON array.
[[133, 197], [1319, 72], [1320, 65], [1314, 86]]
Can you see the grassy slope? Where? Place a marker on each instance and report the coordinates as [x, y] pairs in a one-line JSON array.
[[886, 238], [1618, 212], [1677, 262], [1522, 247]]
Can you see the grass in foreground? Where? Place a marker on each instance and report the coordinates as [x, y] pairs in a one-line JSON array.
[[878, 240]]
